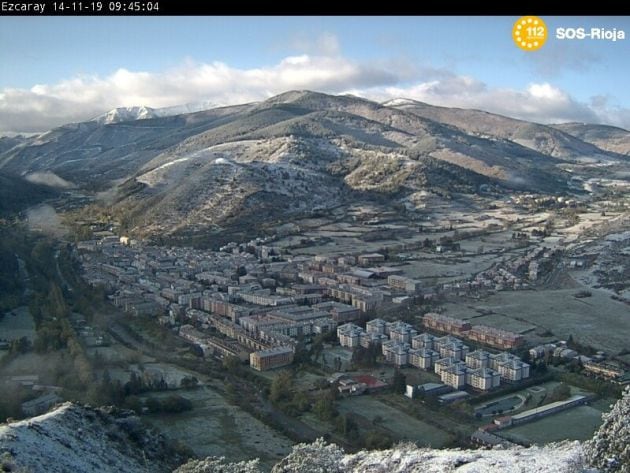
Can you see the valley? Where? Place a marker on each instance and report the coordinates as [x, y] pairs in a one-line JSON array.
[[218, 272]]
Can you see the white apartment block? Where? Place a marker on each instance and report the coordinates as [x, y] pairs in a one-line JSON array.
[[513, 370], [424, 340], [444, 363], [455, 350], [402, 334], [478, 359], [423, 358], [376, 326], [349, 335], [396, 353], [454, 376], [483, 379]]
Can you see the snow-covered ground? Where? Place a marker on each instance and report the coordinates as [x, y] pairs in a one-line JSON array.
[[72, 438]]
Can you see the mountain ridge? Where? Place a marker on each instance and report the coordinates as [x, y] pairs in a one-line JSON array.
[[209, 170]]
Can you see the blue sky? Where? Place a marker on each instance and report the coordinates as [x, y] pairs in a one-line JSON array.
[[67, 69]]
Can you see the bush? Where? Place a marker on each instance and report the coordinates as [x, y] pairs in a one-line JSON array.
[[175, 404]]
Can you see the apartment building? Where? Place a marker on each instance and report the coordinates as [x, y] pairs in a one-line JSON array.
[[272, 358], [376, 326], [478, 359], [423, 358], [443, 323], [494, 337], [454, 376], [349, 335], [402, 283], [423, 340], [483, 379]]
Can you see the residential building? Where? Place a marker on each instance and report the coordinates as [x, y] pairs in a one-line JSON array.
[[478, 359], [605, 370], [424, 340], [443, 323], [402, 283], [349, 335], [402, 332], [341, 313], [370, 259], [366, 340], [494, 337], [272, 358], [453, 349], [423, 358], [396, 353], [376, 326], [483, 379], [445, 363], [513, 370], [454, 376]]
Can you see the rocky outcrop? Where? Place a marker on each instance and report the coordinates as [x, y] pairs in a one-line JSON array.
[[609, 450], [84, 439], [74, 438]]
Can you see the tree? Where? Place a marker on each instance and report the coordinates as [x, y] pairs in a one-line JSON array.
[[189, 382], [300, 402], [347, 426], [281, 387], [325, 408], [560, 393], [133, 403], [176, 404], [399, 383], [375, 440], [231, 363]]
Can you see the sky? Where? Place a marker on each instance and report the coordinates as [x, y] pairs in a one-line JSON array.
[[57, 70]]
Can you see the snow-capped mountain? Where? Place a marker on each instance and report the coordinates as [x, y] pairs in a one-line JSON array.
[[127, 114]]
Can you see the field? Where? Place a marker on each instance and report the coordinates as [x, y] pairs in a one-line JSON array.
[[598, 321], [577, 423], [400, 424], [215, 427], [501, 405], [16, 324]]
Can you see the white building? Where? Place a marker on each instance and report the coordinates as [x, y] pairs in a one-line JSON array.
[[423, 358], [455, 350], [454, 376], [376, 326], [478, 359], [483, 379], [349, 335], [424, 340]]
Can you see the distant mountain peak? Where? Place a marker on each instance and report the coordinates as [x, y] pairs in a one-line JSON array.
[[397, 102], [142, 112], [125, 114]]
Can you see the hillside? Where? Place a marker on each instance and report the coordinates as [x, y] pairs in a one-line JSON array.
[[295, 154], [76, 438], [609, 138], [83, 439], [551, 141], [16, 194]]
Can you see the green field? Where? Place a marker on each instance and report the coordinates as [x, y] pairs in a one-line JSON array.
[[577, 423], [216, 428], [400, 424]]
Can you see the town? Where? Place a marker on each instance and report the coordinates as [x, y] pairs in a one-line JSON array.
[[257, 304]]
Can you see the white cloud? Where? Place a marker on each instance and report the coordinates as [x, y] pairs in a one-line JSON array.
[[322, 68], [539, 102], [81, 98]]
